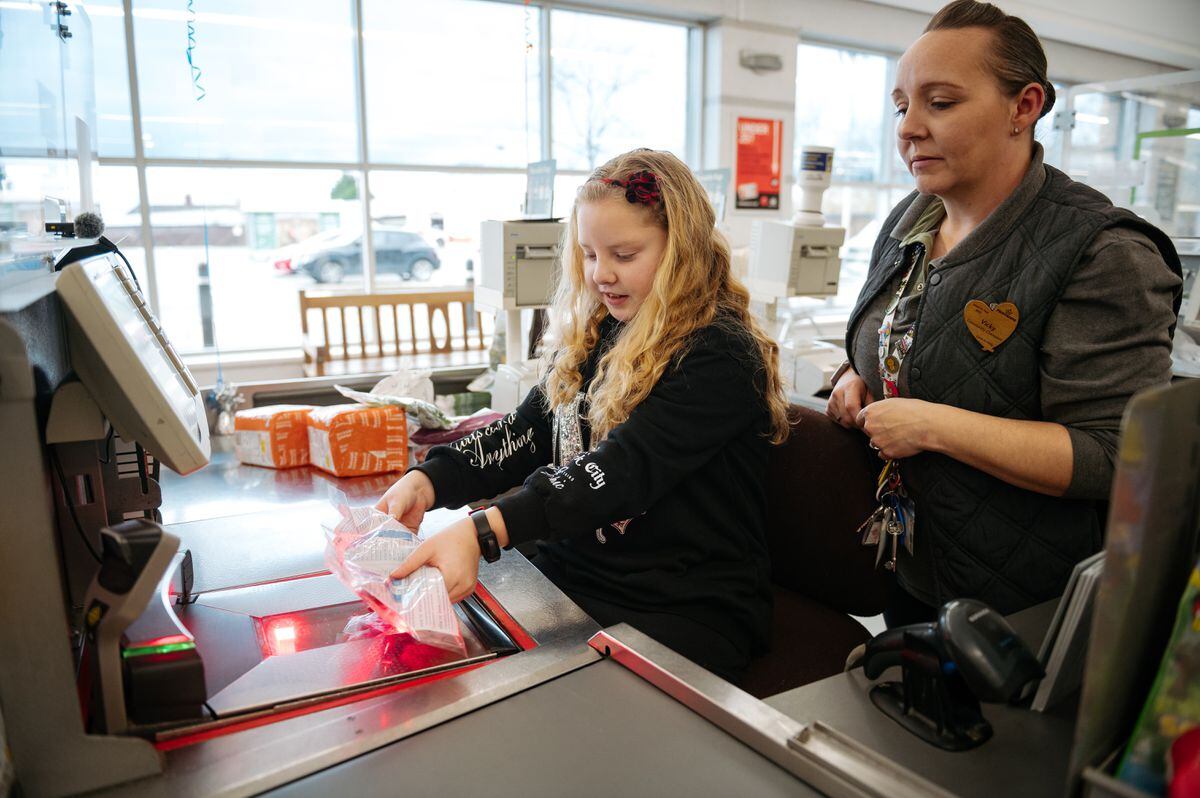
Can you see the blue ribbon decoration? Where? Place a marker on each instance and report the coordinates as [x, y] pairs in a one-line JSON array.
[[191, 46]]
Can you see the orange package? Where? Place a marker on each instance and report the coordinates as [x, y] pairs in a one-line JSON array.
[[352, 440], [275, 436]]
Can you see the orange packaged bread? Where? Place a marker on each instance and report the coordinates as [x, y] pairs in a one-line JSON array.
[[352, 440], [275, 436]]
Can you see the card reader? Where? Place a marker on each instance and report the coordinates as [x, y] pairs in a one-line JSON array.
[[145, 665]]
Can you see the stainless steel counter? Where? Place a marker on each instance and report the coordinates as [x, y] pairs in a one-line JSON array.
[[251, 526], [598, 731], [226, 487]]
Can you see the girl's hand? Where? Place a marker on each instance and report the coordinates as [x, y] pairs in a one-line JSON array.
[[899, 427], [455, 552], [408, 499], [847, 400]]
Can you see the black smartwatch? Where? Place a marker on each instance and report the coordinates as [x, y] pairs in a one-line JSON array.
[[489, 547]]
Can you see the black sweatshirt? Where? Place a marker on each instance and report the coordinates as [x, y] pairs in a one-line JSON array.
[[686, 470]]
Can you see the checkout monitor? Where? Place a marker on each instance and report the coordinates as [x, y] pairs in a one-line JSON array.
[[123, 357]]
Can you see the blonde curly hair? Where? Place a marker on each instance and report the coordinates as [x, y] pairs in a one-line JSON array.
[[693, 287]]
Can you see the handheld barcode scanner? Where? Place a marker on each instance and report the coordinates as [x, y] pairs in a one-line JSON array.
[[134, 635], [970, 654]]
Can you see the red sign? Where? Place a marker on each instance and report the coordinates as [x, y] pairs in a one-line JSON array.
[[758, 163]]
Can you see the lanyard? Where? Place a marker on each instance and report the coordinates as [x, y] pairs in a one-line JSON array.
[[894, 520], [891, 357]]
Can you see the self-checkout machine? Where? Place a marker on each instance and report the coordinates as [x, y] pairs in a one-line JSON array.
[[125, 661], [72, 373], [521, 259], [799, 258]]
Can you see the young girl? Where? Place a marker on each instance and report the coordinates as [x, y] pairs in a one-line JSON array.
[[643, 452]]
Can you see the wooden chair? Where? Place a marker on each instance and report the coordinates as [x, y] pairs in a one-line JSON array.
[[388, 331]]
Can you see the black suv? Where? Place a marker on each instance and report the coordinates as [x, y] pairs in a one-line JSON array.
[[396, 252]]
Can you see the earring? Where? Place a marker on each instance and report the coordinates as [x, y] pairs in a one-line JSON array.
[[1016, 130]]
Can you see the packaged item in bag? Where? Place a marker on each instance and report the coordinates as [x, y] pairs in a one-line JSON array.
[[353, 440], [364, 548], [275, 436], [426, 414]]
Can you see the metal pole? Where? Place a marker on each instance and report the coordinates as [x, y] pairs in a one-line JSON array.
[[694, 131], [204, 288], [547, 85], [368, 244], [139, 159]]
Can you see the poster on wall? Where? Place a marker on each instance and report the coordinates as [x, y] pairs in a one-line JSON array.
[[757, 166]]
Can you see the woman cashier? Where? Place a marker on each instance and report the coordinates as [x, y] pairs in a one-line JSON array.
[[1008, 316]]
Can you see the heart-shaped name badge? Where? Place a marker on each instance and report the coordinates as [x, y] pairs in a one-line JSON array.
[[990, 324]]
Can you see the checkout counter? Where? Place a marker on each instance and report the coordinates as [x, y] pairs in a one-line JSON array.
[[543, 702], [576, 709]]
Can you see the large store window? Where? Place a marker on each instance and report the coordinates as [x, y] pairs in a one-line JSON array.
[[116, 197], [854, 116], [259, 188], [454, 82], [618, 84], [446, 210], [849, 113], [232, 247], [114, 121], [26, 183], [38, 114], [277, 81]]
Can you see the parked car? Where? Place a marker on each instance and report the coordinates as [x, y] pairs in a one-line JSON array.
[[286, 258], [396, 252]]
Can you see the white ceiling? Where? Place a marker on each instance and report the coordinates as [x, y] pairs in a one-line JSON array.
[[1165, 31]]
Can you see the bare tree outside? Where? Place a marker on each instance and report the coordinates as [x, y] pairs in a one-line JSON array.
[[586, 93]]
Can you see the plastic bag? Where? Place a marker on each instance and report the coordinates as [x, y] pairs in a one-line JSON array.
[[369, 624], [411, 389], [362, 550]]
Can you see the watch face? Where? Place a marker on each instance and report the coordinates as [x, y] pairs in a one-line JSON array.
[[489, 547]]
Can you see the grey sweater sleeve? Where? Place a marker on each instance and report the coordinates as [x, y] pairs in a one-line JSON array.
[[1106, 340]]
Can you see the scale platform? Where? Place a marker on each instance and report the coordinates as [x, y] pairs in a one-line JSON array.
[[279, 645], [278, 634]]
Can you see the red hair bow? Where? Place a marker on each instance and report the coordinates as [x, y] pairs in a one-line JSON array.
[[640, 187]]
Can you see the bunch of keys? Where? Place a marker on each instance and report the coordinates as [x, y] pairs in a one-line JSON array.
[[893, 521]]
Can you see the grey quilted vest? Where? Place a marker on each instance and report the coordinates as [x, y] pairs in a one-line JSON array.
[[1006, 546]]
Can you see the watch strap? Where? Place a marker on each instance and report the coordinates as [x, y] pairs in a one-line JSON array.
[[489, 546]]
